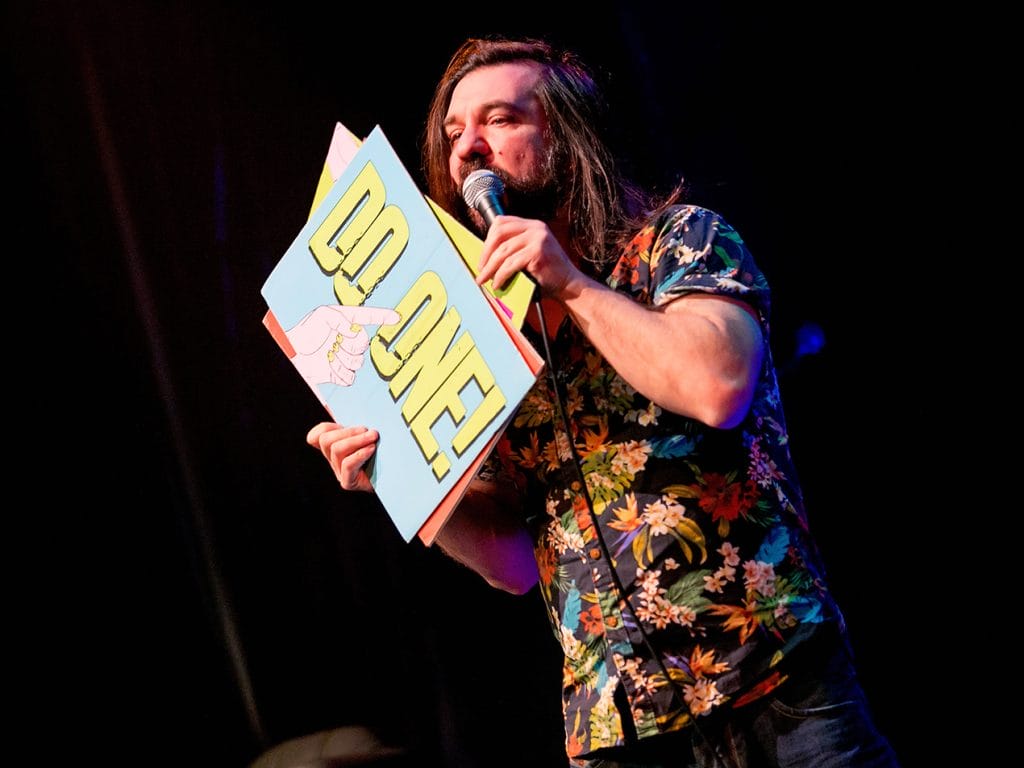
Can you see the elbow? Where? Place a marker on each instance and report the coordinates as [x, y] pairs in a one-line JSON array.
[[494, 545], [518, 583], [730, 393], [725, 419], [728, 406], [517, 572]]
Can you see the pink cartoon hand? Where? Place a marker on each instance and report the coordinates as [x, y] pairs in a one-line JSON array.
[[330, 341]]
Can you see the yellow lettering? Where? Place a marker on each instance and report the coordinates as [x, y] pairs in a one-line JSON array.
[[360, 236], [424, 422], [381, 245], [428, 298], [431, 364], [440, 465], [474, 367], [346, 222], [448, 398]]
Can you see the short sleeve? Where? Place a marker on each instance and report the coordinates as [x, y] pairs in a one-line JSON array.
[[690, 249]]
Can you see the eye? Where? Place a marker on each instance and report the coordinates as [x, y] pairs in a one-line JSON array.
[[454, 136]]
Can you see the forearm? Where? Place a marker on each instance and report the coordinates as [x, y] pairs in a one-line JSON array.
[[486, 534], [698, 356]]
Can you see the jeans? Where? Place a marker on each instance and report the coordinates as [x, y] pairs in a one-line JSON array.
[[818, 719]]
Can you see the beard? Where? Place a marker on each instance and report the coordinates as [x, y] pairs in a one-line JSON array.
[[536, 196]]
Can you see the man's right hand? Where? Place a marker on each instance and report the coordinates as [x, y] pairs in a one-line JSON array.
[[347, 449]]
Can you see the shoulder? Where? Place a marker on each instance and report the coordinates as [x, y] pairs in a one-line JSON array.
[[672, 225], [692, 220]]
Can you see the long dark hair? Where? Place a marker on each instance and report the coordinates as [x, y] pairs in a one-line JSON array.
[[603, 205]]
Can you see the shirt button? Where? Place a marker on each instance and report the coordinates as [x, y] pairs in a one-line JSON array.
[[595, 554]]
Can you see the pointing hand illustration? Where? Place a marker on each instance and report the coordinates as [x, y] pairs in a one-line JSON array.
[[330, 342]]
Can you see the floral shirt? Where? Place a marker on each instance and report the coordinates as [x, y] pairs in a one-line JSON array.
[[690, 573]]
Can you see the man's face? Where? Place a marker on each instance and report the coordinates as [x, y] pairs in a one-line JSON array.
[[496, 121]]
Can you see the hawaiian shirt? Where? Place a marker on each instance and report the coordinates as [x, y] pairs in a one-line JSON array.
[[689, 573]]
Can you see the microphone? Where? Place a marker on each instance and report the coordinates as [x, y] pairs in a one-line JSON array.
[[483, 190]]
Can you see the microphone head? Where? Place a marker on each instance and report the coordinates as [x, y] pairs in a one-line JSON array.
[[482, 190], [481, 185]]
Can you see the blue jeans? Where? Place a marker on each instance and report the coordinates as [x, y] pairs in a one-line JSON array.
[[818, 719]]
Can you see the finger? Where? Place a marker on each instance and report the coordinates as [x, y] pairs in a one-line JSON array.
[[488, 263], [342, 376], [351, 475], [511, 264], [368, 316], [348, 457], [354, 345], [314, 434], [503, 273], [327, 433], [342, 358]]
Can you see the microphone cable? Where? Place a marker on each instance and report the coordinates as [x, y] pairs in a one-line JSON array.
[[605, 551], [482, 190]]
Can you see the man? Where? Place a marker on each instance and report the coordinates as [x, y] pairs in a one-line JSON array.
[[646, 485]]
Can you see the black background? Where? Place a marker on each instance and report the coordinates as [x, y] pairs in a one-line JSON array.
[[197, 586]]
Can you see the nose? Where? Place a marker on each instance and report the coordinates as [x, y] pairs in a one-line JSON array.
[[471, 143]]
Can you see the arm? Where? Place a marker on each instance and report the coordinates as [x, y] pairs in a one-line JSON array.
[[483, 533], [699, 355]]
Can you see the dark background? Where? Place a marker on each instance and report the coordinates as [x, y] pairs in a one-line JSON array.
[[197, 586]]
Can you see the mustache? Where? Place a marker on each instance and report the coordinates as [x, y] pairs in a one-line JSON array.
[[478, 164]]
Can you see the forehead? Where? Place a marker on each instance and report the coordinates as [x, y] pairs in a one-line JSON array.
[[512, 82]]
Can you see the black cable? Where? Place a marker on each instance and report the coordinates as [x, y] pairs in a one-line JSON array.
[[605, 551]]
